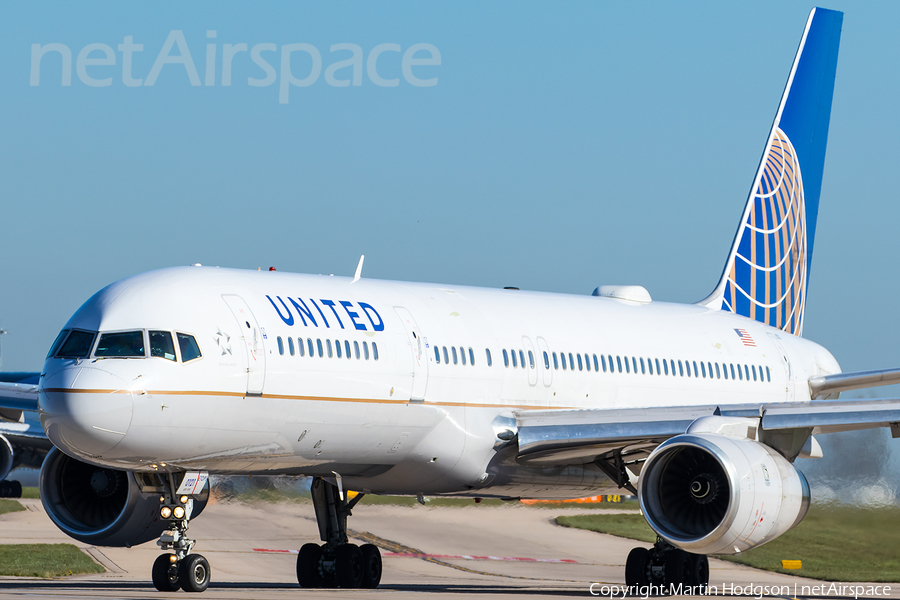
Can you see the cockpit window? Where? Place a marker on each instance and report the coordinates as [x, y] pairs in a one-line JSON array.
[[188, 346], [77, 345], [122, 344], [56, 344], [161, 345]]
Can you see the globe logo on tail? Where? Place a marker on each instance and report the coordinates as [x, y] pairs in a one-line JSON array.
[[767, 276]]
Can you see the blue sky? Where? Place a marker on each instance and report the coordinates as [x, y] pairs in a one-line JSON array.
[[564, 146]]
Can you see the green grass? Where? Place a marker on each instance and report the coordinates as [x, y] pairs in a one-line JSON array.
[[45, 560], [834, 543], [8, 506], [30, 492]]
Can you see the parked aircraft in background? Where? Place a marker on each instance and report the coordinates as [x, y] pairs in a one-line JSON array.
[[408, 388], [23, 442]]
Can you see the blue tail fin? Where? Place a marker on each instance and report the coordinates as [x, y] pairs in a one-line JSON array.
[[767, 271]]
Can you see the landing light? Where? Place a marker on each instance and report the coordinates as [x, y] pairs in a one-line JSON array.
[[165, 512], [183, 499], [178, 512]]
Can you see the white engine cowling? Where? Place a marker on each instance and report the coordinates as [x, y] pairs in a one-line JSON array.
[[713, 494], [99, 505], [7, 456]]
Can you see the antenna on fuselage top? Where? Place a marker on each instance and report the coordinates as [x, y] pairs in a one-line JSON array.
[[358, 273]]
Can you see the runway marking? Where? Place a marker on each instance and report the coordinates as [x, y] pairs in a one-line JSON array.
[[450, 556]]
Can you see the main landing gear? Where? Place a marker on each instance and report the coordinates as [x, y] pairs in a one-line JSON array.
[[180, 568], [336, 563], [665, 565]]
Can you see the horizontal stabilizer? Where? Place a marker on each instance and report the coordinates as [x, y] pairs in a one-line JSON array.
[[825, 385], [16, 397]]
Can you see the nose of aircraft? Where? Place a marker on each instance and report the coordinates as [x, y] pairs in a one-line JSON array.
[[85, 410]]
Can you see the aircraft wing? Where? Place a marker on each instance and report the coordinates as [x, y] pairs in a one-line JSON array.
[[558, 437]]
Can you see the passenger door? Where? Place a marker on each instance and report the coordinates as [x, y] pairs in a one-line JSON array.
[[419, 358], [252, 342]]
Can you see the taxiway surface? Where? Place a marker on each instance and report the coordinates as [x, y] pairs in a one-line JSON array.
[[470, 552]]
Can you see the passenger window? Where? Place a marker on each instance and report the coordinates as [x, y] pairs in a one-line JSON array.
[[555, 362], [546, 361], [603, 362], [627, 365], [650, 365], [487, 354], [300, 347], [658, 372], [696, 372], [643, 371], [188, 346], [703, 370], [754, 372], [291, 345], [455, 357], [77, 345], [746, 373], [319, 346], [347, 348], [634, 365], [597, 364], [57, 342], [571, 362], [531, 359], [680, 369], [446, 356], [718, 375], [437, 355], [161, 345], [514, 363], [328, 347], [768, 375], [366, 351], [587, 362], [337, 348], [356, 350], [125, 344], [505, 357], [280, 346], [619, 363], [580, 367], [740, 373], [462, 355], [309, 344], [471, 357], [562, 359], [666, 366], [522, 358], [374, 351]]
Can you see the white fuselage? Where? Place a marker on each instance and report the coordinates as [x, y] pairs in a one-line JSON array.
[[411, 421]]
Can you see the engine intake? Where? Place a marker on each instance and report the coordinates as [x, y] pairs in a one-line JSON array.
[[714, 494], [99, 505]]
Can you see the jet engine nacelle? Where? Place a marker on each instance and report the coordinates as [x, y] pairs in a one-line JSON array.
[[7, 456], [713, 494], [99, 505]]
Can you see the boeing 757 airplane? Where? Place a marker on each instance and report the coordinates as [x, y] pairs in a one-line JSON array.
[[389, 387]]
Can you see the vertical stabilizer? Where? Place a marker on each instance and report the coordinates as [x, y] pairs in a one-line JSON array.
[[767, 271]]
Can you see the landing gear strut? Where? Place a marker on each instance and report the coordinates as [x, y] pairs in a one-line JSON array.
[[336, 563], [180, 568], [665, 565]]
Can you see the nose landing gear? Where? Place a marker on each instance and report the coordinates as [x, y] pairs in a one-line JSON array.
[[180, 568], [336, 563]]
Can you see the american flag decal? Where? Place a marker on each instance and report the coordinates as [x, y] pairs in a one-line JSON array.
[[745, 337]]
